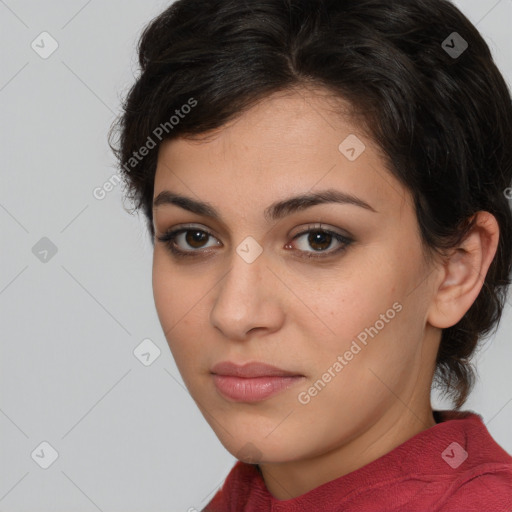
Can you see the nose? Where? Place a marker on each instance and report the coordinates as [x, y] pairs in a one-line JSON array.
[[248, 299]]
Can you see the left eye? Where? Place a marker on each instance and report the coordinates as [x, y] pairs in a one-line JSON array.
[[321, 240]]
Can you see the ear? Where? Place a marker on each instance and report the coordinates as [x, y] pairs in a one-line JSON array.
[[463, 271]]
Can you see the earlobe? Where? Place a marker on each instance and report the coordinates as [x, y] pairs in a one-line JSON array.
[[463, 272]]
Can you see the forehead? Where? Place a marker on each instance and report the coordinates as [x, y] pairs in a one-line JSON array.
[[291, 142], [289, 122]]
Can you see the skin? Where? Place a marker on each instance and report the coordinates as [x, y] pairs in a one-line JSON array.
[[300, 314]]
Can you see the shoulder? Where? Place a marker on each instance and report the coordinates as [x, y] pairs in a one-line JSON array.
[[484, 480], [487, 488]]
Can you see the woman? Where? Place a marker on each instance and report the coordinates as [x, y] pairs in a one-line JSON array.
[[325, 184]]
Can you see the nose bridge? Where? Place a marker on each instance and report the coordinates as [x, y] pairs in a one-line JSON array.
[[242, 302], [243, 282]]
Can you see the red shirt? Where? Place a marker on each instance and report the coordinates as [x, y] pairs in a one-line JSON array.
[[453, 466]]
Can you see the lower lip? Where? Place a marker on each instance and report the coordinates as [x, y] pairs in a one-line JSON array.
[[252, 389]]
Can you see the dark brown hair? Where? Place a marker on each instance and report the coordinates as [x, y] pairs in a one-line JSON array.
[[440, 111]]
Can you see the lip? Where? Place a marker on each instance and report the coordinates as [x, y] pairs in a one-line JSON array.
[[251, 382], [250, 370]]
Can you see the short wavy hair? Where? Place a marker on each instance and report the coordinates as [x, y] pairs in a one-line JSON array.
[[440, 111]]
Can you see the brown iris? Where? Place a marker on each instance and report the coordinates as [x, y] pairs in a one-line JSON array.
[[319, 238], [196, 237]]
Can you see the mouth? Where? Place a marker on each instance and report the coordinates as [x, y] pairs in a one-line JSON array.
[[252, 382]]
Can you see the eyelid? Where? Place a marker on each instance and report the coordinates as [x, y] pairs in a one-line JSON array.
[[321, 227], [185, 227]]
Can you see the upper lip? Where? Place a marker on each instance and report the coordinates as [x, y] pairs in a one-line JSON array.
[[249, 370]]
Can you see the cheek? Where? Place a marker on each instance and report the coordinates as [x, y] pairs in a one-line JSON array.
[[175, 291], [178, 302], [181, 326], [345, 306], [164, 294], [378, 345], [368, 318], [362, 378]]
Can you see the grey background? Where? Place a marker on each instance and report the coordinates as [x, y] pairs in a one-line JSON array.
[[128, 436]]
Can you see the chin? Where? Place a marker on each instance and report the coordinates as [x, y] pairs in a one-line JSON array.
[[259, 443]]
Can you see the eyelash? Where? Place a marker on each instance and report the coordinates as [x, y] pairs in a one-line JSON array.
[[170, 236]]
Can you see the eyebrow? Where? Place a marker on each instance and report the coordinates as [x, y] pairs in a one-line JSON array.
[[275, 211]]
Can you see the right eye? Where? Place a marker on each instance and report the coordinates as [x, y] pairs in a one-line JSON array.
[[191, 236]]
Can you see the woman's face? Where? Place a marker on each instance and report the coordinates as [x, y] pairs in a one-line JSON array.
[[347, 318]]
